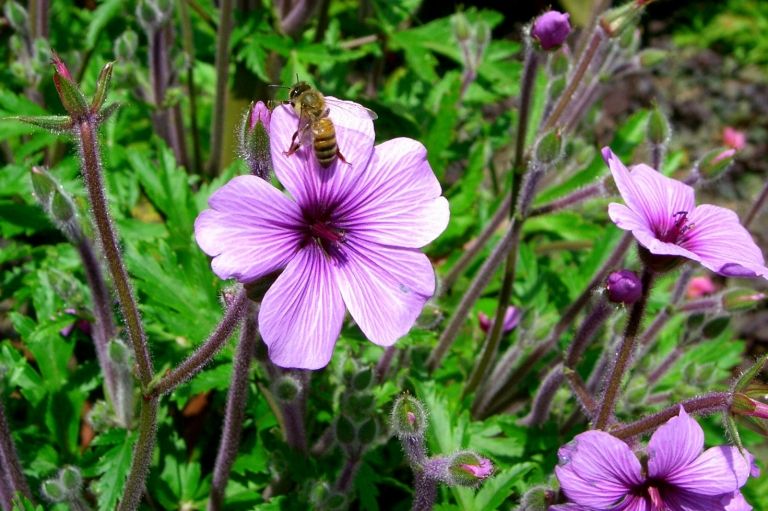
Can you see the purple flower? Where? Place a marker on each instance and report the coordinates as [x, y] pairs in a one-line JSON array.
[[663, 216], [511, 319], [600, 472], [348, 237], [551, 29], [481, 470]]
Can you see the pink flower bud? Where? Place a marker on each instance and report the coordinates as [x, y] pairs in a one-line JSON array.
[[624, 287], [551, 29], [734, 138], [700, 286], [511, 319], [259, 114]]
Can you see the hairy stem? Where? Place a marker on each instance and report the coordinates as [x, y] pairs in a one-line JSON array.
[[104, 325], [586, 59], [424, 492], [468, 255], [703, 405], [189, 49], [11, 473], [474, 291], [348, 472], [142, 456], [195, 362], [571, 199], [624, 356], [94, 181], [234, 415], [756, 206]]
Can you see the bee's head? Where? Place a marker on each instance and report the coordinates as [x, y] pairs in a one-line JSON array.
[[297, 90]]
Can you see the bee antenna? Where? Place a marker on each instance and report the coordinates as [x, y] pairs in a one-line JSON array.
[[277, 86]]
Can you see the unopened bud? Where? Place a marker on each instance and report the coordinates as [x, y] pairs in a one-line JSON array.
[[549, 148], [120, 354], [362, 380], [286, 388], [366, 432], [741, 299], [359, 406], [254, 140], [630, 40], [467, 468], [409, 420], [461, 28], [551, 29], [55, 202], [715, 163], [125, 45], [734, 138], [53, 491], [651, 57], [538, 498], [17, 16], [699, 287], [482, 38], [99, 416], [511, 319], [714, 327], [745, 405], [624, 17], [71, 479], [624, 287], [72, 98], [345, 430], [658, 127]]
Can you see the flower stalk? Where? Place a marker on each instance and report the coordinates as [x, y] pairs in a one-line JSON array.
[[222, 78], [234, 415], [12, 478], [624, 356]]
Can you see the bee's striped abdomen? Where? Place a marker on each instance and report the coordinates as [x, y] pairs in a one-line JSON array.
[[324, 141]]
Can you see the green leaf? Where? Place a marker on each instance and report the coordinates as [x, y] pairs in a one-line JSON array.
[[103, 14], [113, 466]]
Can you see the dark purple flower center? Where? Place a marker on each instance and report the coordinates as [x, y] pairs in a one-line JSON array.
[[320, 228], [651, 491], [677, 232]]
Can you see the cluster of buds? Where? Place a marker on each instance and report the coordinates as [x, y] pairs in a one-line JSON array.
[[473, 39], [74, 101], [66, 487], [464, 468], [357, 425]]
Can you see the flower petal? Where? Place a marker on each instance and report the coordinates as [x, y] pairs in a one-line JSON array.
[[723, 244], [597, 470], [302, 313], [718, 470], [251, 230], [301, 173], [653, 196], [674, 446], [688, 501], [397, 200], [627, 219], [384, 288]]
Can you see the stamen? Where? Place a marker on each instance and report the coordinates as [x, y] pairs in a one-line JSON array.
[[656, 500]]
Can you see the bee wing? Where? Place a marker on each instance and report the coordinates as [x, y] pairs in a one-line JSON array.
[[351, 107]]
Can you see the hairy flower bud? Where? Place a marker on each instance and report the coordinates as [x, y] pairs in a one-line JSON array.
[[741, 299], [56, 203], [71, 479], [624, 287], [651, 57], [363, 379], [461, 28], [254, 140], [549, 148], [346, 433], [367, 431], [120, 354], [658, 127], [408, 418], [538, 498], [742, 404], [551, 29], [715, 163], [615, 21], [467, 468], [286, 388], [53, 491], [17, 16], [125, 45]]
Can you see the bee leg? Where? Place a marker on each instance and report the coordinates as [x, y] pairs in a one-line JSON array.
[[341, 156], [295, 145]]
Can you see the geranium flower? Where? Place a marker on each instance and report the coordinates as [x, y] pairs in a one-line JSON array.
[[663, 216], [347, 237], [597, 471]]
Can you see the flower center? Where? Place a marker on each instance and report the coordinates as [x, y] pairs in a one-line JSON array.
[[320, 229], [677, 231], [650, 492]]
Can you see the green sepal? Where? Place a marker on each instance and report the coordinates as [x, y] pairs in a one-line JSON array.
[[733, 431], [102, 87], [107, 112], [71, 96], [750, 373], [54, 123]]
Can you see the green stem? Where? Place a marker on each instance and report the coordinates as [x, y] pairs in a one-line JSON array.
[[624, 356], [222, 79], [142, 456]]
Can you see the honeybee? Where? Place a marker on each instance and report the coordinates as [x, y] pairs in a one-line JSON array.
[[315, 125]]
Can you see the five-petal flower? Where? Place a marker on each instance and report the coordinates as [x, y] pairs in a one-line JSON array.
[[347, 238], [597, 471], [662, 215]]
